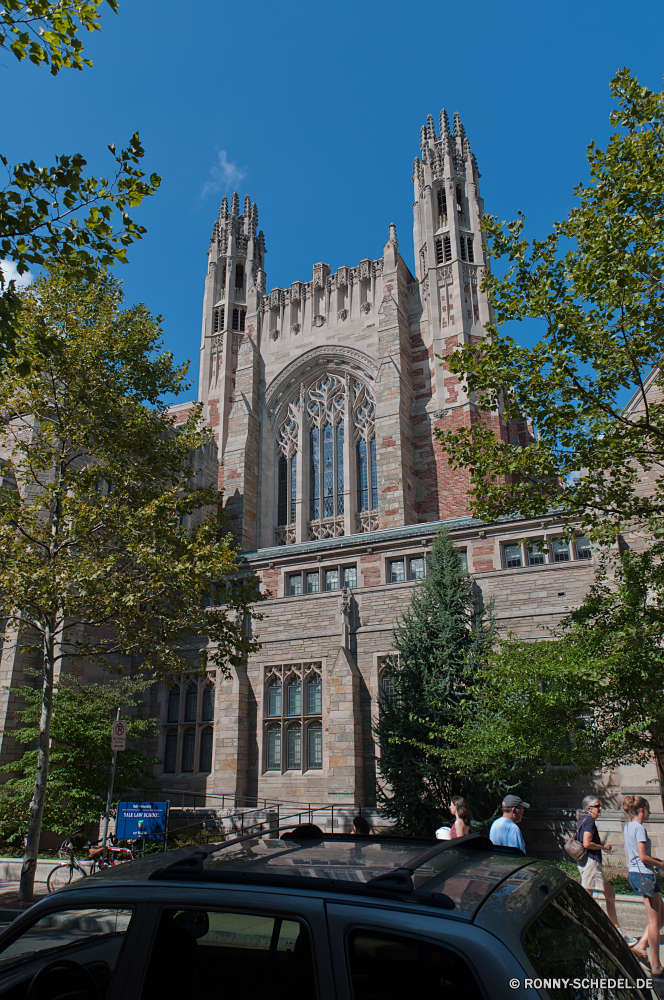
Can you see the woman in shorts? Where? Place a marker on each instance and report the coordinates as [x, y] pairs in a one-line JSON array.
[[641, 875]]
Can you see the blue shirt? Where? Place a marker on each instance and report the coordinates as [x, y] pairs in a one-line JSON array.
[[506, 833]]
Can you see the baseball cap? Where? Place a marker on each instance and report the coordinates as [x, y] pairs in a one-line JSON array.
[[512, 801]]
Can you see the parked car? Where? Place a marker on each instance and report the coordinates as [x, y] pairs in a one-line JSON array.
[[329, 917]]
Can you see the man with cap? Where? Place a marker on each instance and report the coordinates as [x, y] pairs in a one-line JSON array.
[[504, 831]]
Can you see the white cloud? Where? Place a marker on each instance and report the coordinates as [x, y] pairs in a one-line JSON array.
[[224, 175], [10, 273]]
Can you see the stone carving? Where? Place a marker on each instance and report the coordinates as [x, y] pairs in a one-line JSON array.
[[320, 275], [445, 275], [276, 298], [365, 307], [342, 314], [326, 527], [367, 520], [237, 342], [275, 335], [364, 270], [470, 273], [414, 288], [364, 408], [287, 437], [342, 277], [296, 291], [326, 401], [323, 356], [439, 414], [318, 320], [285, 535], [217, 342], [295, 328]]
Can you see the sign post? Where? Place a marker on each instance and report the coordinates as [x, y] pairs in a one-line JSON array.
[[118, 742]]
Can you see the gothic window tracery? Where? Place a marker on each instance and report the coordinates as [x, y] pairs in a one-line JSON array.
[[293, 708], [189, 725], [287, 471]]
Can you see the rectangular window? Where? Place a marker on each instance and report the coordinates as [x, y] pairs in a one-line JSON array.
[[282, 490], [170, 752], [314, 697], [439, 252], [447, 246], [442, 202], [315, 474], [374, 474], [463, 556], [243, 314], [471, 252], [188, 744], [416, 568], [397, 571], [236, 319], [295, 585], [315, 747], [294, 747], [295, 698], [331, 579], [293, 490], [560, 549], [274, 749], [462, 243], [313, 583], [274, 700], [239, 276], [512, 554], [205, 763], [536, 554], [350, 576], [583, 550]]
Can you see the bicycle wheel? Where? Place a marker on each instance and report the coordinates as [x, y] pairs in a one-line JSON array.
[[61, 876]]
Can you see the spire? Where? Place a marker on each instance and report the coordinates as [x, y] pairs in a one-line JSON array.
[[459, 130], [235, 204], [431, 130], [223, 211], [393, 231], [423, 138], [444, 125], [247, 206]]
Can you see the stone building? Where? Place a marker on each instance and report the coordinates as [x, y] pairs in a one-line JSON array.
[[323, 397]]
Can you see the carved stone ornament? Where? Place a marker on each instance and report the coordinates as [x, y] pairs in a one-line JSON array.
[[217, 341], [295, 328], [276, 298], [445, 275], [319, 320], [342, 277], [320, 275], [414, 288], [275, 335], [342, 314], [439, 414], [365, 307], [321, 358], [296, 291]]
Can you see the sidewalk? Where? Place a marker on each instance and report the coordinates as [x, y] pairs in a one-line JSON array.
[[9, 903]]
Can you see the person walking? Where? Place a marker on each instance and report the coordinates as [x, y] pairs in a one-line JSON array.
[[642, 878], [361, 827], [592, 872], [462, 817], [504, 831]]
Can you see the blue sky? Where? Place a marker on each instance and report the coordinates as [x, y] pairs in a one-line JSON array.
[[315, 111]]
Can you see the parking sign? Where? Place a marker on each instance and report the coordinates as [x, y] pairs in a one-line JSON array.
[[119, 737]]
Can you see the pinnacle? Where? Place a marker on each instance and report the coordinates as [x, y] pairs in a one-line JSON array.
[[247, 206], [235, 204], [459, 130], [444, 124], [431, 130]]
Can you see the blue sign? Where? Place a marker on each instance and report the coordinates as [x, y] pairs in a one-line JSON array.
[[141, 819]]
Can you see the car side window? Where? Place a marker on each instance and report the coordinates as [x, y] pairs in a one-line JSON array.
[[387, 966], [569, 940], [90, 936], [256, 957]]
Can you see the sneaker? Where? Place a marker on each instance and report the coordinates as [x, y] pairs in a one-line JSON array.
[[631, 941]]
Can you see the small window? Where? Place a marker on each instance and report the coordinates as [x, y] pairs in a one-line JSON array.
[[560, 550], [350, 576], [294, 752], [512, 555], [447, 246], [295, 585], [313, 583], [243, 313], [314, 697], [294, 698], [188, 744], [236, 319], [173, 713], [207, 712], [315, 746], [239, 277], [274, 749], [206, 750], [387, 685], [463, 557], [583, 550], [170, 752], [219, 319], [190, 704], [274, 700], [471, 252], [331, 579], [462, 242], [416, 568], [536, 554], [442, 202], [397, 571], [439, 252]]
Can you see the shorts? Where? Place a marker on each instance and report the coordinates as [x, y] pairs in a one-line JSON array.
[[592, 874], [643, 885]]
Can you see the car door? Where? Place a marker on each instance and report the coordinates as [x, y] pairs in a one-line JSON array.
[[383, 953], [260, 945]]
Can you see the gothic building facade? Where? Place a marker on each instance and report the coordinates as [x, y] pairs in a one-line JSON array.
[[324, 397]]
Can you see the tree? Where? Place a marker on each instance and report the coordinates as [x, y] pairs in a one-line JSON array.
[[586, 697], [80, 754], [109, 544], [39, 205], [597, 284], [439, 646]]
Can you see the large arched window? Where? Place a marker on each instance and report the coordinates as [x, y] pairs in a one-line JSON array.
[[364, 410], [325, 409], [287, 473]]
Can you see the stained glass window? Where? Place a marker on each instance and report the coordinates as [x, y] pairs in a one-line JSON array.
[[328, 471], [274, 700], [282, 509], [315, 474], [205, 755], [340, 467], [294, 698], [294, 752], [374, 475], [315, 746], [314, 697], [274, 749], [293, 489], [362, 476]]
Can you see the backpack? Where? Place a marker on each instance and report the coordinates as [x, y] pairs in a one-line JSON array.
[[575, 848]]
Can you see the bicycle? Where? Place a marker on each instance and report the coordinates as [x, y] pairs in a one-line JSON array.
[[71, 870]]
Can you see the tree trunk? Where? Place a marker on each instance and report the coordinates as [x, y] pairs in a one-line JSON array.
[[26, 884], [659, 761]]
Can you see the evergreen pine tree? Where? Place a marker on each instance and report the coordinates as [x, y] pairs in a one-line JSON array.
[[439, 643]]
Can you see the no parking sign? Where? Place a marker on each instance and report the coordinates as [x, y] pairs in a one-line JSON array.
[[119, 737]]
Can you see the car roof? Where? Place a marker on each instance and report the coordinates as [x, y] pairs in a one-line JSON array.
[[455, 876]]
